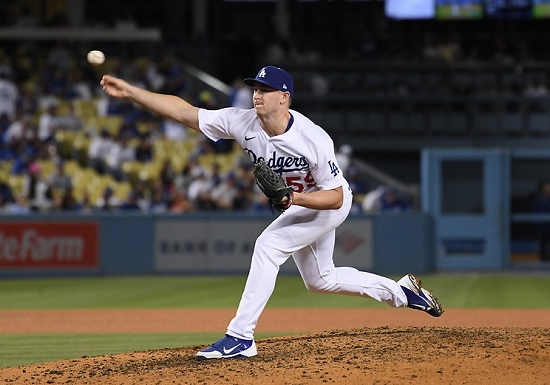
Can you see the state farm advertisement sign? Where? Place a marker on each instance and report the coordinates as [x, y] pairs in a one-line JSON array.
[[48, 245]]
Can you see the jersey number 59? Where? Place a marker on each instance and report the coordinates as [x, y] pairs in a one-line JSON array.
[[298, 184]]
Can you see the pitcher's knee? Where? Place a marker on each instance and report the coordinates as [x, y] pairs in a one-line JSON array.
[[264, 242], [318, 286], [265, 251]]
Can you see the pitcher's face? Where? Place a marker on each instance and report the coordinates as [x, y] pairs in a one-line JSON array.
[[268, 100]]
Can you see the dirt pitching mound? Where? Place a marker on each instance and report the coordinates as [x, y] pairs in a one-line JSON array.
[[366, 356]]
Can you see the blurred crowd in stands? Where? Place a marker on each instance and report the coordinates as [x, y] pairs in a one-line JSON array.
[[54, 146], [42, 116], [65, 147], [59, 133]]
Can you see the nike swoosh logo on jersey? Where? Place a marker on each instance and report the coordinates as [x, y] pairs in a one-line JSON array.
[[228, 351], [248, 138]]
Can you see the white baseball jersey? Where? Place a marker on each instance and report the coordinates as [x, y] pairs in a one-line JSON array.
[[304, 155]]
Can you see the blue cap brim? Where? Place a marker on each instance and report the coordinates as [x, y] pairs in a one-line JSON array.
[[252, 82]]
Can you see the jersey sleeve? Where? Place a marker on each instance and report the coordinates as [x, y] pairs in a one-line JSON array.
[[217, 124], [327, 172]]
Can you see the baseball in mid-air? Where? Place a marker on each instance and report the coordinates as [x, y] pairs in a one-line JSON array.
[[96, 57]]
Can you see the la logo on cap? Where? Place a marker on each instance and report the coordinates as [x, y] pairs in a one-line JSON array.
[[262, 73]]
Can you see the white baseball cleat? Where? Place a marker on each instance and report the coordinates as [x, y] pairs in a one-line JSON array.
[[419, 298]]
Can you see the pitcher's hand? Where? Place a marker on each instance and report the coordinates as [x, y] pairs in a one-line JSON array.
[[115, 87]]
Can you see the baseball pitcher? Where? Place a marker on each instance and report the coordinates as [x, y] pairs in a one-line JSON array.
[[296, 168]]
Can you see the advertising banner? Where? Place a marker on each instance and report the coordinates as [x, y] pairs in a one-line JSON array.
[[55, 245], [205, 246], [202, 246]]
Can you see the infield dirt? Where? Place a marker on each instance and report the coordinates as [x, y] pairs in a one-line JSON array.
[[335, 346]]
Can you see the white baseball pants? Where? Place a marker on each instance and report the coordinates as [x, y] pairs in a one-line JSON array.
[[309, 236]]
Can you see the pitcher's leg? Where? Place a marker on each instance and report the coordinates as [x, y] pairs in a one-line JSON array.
[[316, 266], [260, 284], [290, 232]]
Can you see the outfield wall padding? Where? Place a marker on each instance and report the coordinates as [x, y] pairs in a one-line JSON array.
[[124, 244]]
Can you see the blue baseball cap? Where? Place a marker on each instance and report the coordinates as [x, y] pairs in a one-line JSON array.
[[273, 77]]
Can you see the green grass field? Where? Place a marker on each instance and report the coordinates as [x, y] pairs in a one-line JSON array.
[[454, 290]]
